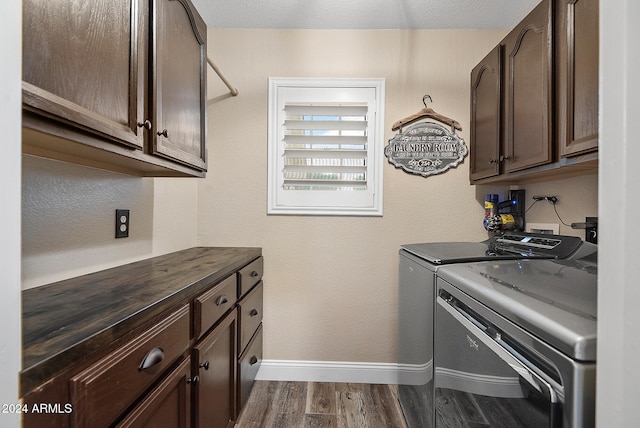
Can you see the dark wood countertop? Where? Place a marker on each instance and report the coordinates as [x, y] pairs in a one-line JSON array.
[[65, 321]]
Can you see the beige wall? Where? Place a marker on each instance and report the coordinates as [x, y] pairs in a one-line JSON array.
[[577, 199], [68, 219], [331, 281]]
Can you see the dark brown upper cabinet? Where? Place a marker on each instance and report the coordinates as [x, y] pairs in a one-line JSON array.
[[536, 117], [116, 84], [179, 98], [577, 76], [528, 92], [486, 102]]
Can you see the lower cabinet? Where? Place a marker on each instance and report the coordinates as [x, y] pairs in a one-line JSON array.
[[215, 367], [102, 392], [248, 365], [250, 291], [168, 405], [190, 366]]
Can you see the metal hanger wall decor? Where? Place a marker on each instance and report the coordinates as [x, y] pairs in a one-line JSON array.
[[426, 148]]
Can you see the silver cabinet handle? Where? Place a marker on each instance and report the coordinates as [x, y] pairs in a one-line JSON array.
[[221, 300], [153, 357]]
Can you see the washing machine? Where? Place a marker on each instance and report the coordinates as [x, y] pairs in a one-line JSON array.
[[418, 267], [515, 342]]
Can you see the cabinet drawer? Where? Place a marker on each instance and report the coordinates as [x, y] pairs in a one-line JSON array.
[[169, 401], [249, 276], [248, 366], [250, 315], [104, 390], [212, 305]]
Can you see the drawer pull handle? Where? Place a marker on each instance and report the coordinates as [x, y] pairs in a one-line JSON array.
[[253, 360], [253, 312], [204, 365], [222, 300], [155, 356], [254, 273], [193, 380]]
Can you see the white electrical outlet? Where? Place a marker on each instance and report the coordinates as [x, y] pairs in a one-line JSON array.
[[546, 228]]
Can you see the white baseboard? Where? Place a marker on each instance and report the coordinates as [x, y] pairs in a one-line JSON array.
[[415, 374], [386, 373], [328, 371]]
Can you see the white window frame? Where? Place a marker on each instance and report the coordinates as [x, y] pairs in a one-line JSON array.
[[314, 91]]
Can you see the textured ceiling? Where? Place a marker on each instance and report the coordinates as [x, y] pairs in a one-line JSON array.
[[364, 14]]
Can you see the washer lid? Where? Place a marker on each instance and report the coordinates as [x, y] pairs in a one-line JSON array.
[[441, 253], [507, 246], [555, 300]]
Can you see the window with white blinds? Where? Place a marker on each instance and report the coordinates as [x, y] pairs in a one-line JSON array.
[[325, 146]]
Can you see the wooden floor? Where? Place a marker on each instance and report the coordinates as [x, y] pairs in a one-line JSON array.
[[310, 404]]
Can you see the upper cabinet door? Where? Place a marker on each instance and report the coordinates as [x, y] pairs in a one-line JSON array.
[[528, 88], [179, 86], [83, 65], [486, 99], [577, 82]]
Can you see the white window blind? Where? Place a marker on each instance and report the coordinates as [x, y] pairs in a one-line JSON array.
[[325, 147]]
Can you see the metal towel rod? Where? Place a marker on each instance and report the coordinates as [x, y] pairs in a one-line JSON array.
[[222, 77]]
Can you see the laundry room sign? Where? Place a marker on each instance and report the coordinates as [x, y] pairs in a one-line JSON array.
[[426, 149]]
